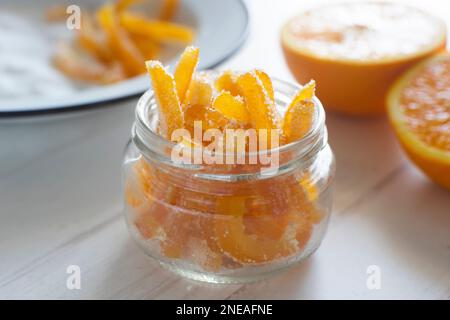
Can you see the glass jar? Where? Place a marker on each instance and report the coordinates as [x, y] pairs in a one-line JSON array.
[[227, 224]]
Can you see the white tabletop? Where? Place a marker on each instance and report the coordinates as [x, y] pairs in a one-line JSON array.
[[61, 205]]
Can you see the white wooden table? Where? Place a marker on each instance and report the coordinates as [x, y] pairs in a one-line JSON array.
[[61, 205]]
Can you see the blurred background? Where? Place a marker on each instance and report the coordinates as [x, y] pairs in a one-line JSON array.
[[60, 183]]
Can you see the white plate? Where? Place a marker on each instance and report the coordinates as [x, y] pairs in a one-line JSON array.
[[28, 82]]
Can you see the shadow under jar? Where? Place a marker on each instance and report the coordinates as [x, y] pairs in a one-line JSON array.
[[227, 223]]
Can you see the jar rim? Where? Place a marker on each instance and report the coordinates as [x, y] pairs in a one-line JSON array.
[[155, 146]]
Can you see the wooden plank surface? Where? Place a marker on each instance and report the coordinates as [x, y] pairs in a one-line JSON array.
[[60, 205]]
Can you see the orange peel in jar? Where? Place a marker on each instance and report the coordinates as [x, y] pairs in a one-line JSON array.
[[232, 107], [233, 239], [263, 114], [299, 116], [224, 224], [171, 116], [266, 82], [227, 81], [185, 70], [200, 92]]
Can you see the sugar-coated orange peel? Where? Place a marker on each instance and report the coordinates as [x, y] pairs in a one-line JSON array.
[[266, 82], [171, 116], [93, 41], [232, 107], [200, 92], [120, 38], [227, 81], [237, 223], [120, 42], [72, 64], [299, 116], [260, 106], [156, 30], [185, 70]]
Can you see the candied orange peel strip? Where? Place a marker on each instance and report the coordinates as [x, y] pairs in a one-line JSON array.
[[120, 42], [300, 114], [267, 83], [263, 114], [171, 116], [159, 31], [232, 107], [149, 49], [227, 81], [92, 41], [56, 13], [122, 5], [200, 92], [185, 70], [273, 219], [305, 93], [169, 7], [72, 64]]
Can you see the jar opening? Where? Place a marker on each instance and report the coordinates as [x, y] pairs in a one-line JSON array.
[[158, 149]]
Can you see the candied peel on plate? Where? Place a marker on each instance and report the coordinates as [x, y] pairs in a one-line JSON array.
[[118, 40]]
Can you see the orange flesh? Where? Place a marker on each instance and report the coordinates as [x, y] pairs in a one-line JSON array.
[[357, 50], [425, 105], [242, 222], [364, 31]]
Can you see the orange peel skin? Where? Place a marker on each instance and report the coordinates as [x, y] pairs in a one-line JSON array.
[[263, 114], [200, 92], [227, 81], [232, 107], [120, 42], [171, 116], [356, 51], [92, 41], [418, 109], [168, 10], [185, 70], [299, 116], [267, 83], [122, 5], [217, 224], [158, 31], [71, 63], [149, 49]]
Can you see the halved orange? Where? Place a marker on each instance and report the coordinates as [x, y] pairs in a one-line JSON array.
[[419, 109], [355, 51]]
